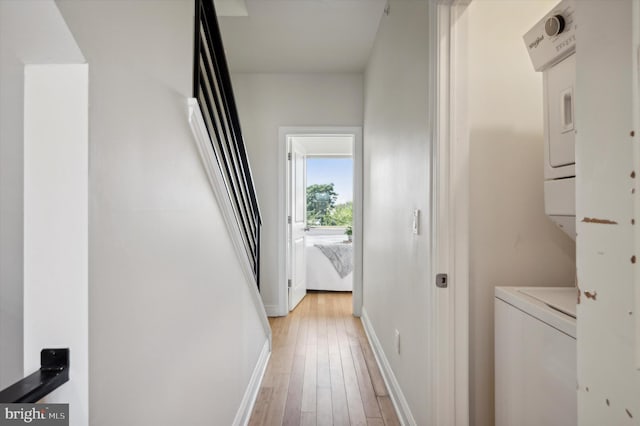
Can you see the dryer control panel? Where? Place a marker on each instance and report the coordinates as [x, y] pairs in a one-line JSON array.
[[553, 38]]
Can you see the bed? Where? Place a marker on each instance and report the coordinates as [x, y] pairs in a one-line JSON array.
[[329, 263]]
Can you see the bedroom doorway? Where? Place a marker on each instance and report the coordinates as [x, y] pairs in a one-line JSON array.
[[323, 188], [329, 242]]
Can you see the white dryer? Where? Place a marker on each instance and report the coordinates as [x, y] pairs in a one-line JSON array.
[[551, 44], [535, 356]]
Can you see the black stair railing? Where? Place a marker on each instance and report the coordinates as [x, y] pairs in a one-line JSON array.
[[212, 88], [53, 373]]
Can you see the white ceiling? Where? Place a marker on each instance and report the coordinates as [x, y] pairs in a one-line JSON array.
[[302, 35], [231, 8], [326, 144]]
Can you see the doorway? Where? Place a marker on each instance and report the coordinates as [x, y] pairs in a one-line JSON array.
[[321, 238]]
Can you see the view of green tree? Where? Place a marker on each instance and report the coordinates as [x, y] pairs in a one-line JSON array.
[[321, 199], [322, 209], [341, 215]]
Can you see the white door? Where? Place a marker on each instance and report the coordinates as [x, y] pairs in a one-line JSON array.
[[298, 224]]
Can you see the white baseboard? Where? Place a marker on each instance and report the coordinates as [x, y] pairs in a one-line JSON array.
[[251, 394], [397, 397], [275, 311]]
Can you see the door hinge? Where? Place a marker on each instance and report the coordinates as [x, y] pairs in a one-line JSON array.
[[442, 281], [289, 156], [289, 284], [289, 220]]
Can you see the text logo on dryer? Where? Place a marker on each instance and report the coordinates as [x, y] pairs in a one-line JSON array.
[[536, 42]]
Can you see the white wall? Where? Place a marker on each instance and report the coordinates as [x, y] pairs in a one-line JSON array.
[[512, 242], [396, 181], [267, 102], [608, 379], [11, 203], [174, 333], [30, 33], [56, 225]]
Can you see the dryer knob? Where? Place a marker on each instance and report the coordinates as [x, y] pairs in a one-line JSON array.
[[554, 25]]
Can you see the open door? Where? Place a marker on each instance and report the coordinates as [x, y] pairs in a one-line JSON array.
[[297, 224]]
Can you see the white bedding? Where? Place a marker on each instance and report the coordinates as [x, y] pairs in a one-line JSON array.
[[321, 274]]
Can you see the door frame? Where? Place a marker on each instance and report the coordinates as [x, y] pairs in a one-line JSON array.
[[636, 158], [283, 134], [450, 204], [293, 228]]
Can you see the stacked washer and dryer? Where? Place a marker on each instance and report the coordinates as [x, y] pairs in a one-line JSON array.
[[535, 327]]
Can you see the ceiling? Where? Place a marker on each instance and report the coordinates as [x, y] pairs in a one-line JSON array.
[[341, 145], [231, 8], [279, 36]]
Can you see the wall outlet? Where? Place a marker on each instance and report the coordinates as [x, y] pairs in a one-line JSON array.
[[397, 341]]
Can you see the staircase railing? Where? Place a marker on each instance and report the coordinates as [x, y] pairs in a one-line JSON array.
[[212, 88], [53, 373]]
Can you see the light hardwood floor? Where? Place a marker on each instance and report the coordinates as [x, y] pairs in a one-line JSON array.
[[322, 370]]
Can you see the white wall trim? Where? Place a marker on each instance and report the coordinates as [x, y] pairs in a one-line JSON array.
[[459, 205], [450, 211], [273, 310], [395, 392], [251, 394], [201, 136], [439, 323], [636, 160], [357, 209]]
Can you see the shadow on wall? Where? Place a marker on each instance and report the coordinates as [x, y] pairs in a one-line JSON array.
[[512, 241]]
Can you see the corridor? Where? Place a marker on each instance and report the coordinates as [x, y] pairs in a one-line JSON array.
[[322, 370]]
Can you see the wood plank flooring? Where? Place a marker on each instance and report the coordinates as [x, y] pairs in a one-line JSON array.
[[322, 370]]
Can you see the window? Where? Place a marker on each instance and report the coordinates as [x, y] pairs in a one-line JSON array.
[[329, 191]]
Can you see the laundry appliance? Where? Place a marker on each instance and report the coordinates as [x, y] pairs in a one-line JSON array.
[[535, 356], [551, 44], [535, 327]]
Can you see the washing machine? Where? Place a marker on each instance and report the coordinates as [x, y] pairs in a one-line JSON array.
[[535, 356]]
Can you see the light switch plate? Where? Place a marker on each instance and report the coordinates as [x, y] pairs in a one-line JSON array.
[[416, 222]]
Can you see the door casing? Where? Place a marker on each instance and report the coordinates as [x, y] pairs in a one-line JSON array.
[[450, 208], [284, 134]]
